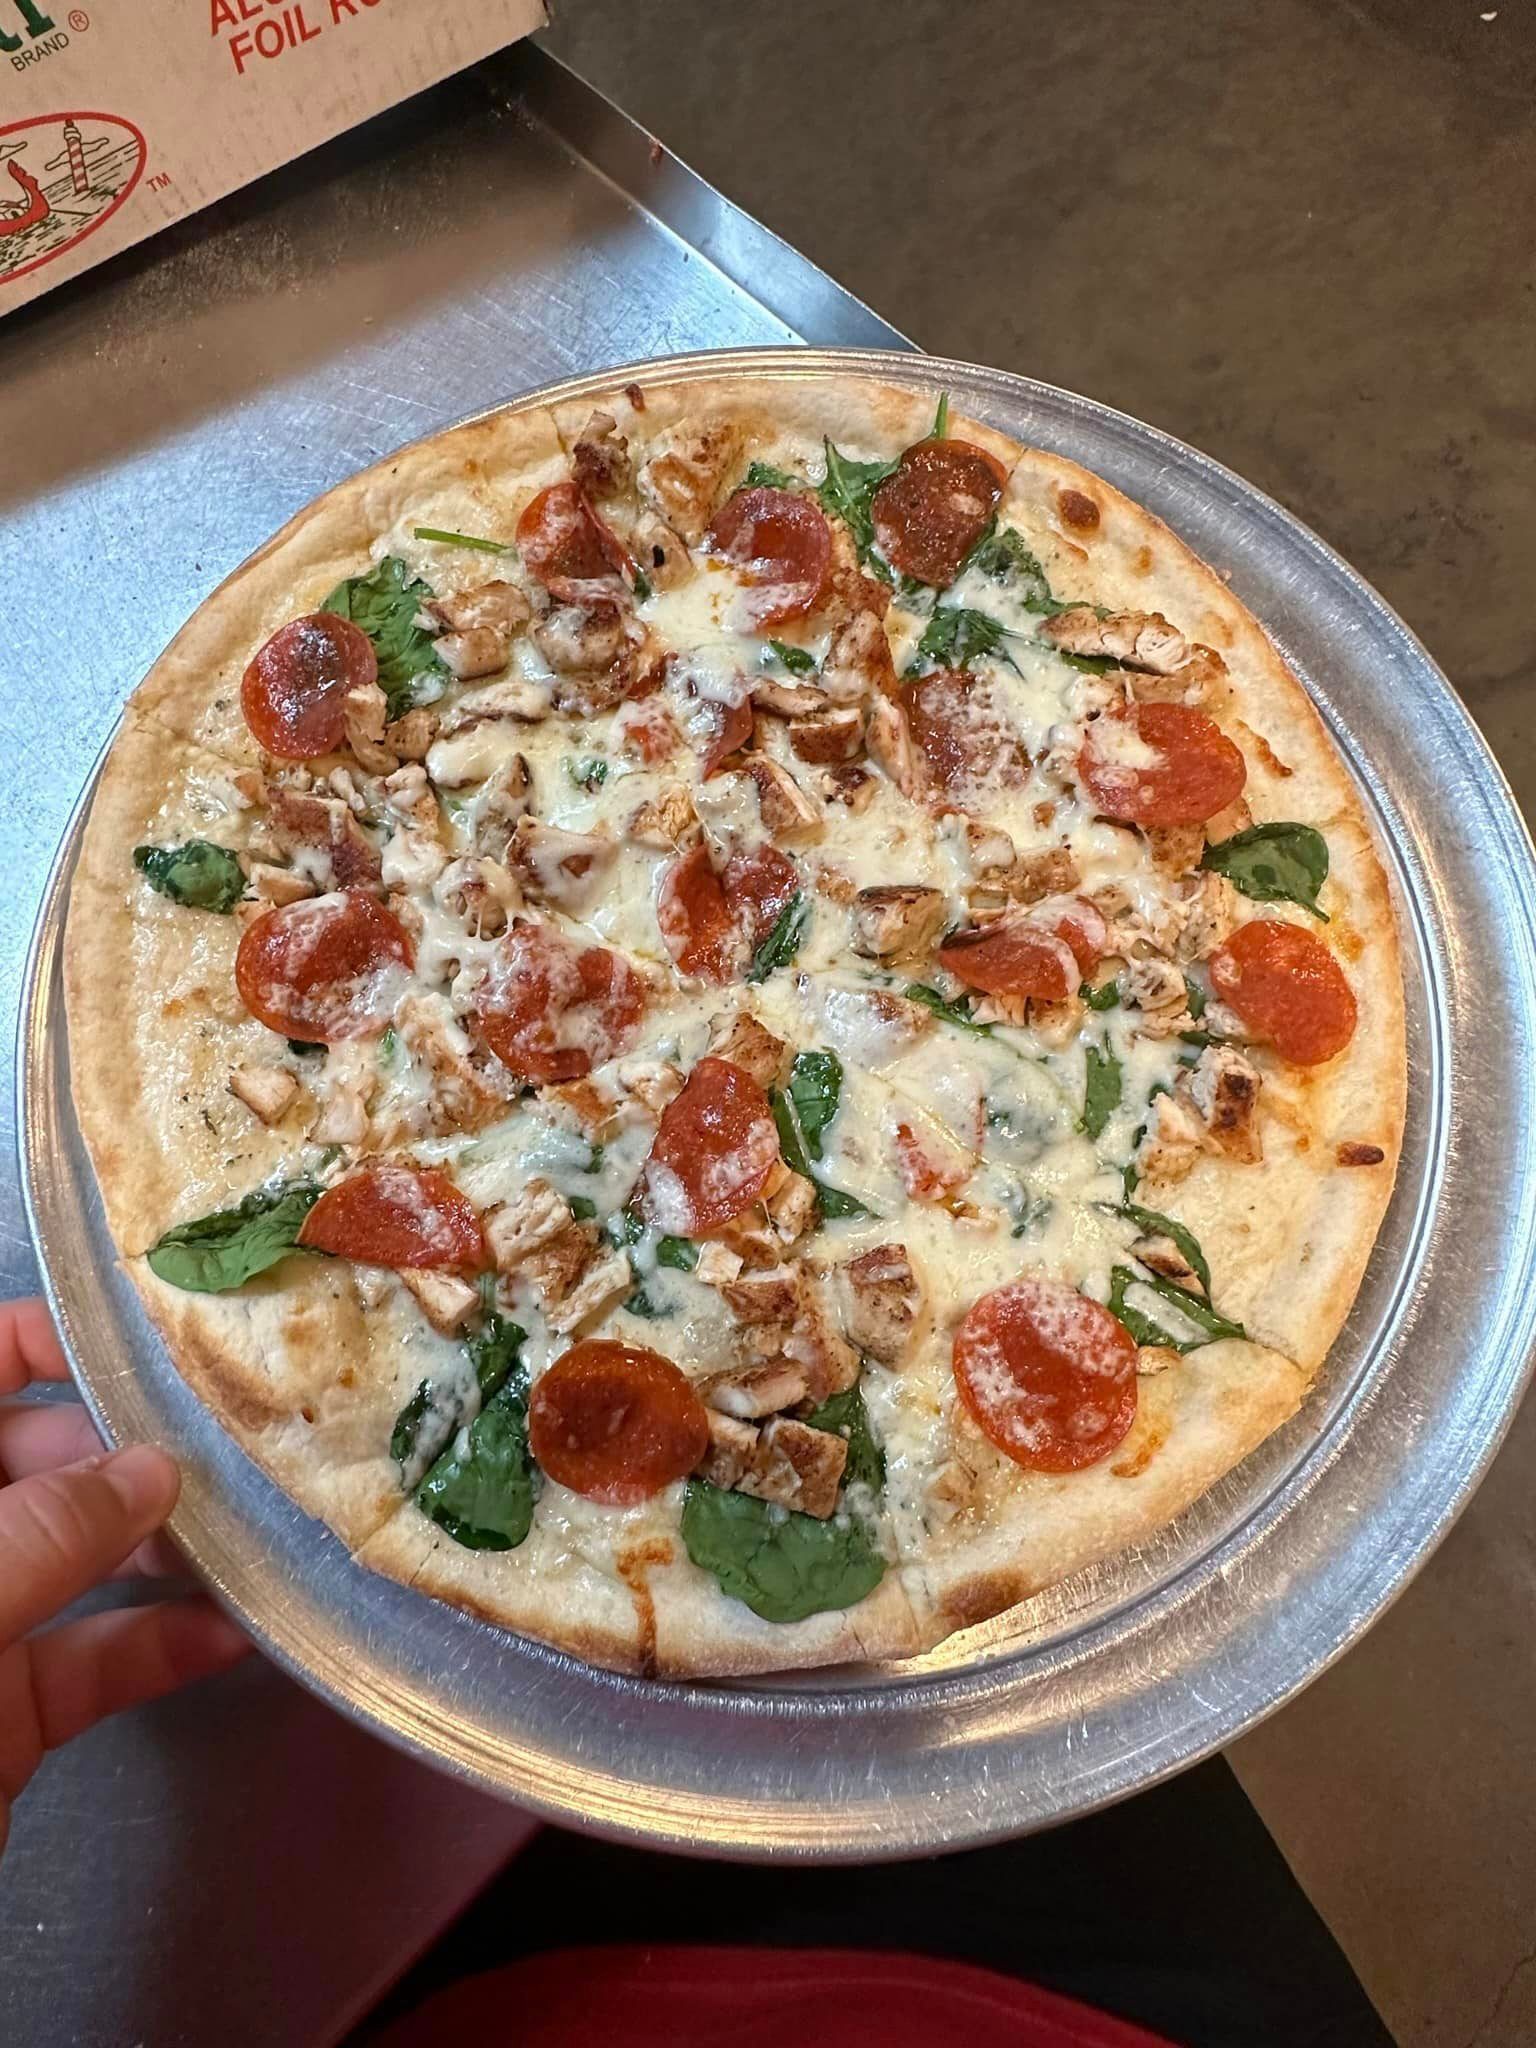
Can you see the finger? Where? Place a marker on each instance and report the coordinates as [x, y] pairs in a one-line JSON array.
[[29, 1346], [43, 1436], [88, 1669], [40, 1439], [63, 1532]]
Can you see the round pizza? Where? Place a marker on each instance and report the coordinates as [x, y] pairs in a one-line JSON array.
[[736, 1025]]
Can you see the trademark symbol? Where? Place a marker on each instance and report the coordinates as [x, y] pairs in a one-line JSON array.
[[160, 182], [79, 21]]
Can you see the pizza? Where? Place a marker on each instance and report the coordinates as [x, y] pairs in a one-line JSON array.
[[735, 1025]]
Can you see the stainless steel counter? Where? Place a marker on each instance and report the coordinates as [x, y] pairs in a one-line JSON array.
[[173, 1878]]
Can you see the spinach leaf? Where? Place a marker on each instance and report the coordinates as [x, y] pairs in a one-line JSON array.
[[957, 1013], [306, 1048], [494, 1351], [482, 1489], [815, 1089], [1274, 864], [955, 636], [1002, 557], [624, 1227], [415, 1429], [639, 1303], [1141, 1327], [1199, 1312], [428, 1421], [798, 660], [782, 1565], [1105, 997], [199, 874], [1101, 1097], [1090, 664], [680, 1253], [940, 428], [385, 603], [845, 1415], [1195, 998], [1155, 1224], [783, 942], [456, 540], [1207, 1322], [214, 1254], [845, 494], [583, 1208], [762, 476], [833, 1202], [1028, 1211], [643, 587], [589, 773]]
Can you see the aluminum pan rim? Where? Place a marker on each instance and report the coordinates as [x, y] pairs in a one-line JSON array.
[[1137, 1668]]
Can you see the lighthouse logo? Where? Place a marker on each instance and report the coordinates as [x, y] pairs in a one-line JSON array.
[[61, 177]]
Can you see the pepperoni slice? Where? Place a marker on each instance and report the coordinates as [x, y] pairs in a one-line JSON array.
[[566, 545], [324, 969], [780, 545], [759, 887], [1288, 988], [931, 1169], [1160, 764], [933, 510], [645, 729], [1013, 957], [718, 731], [960, 735], [715, 1149], [1081, 924], [390, 1215], [551, 1010], [294, 692], [616, 1422], [1049, 1375], [697, 927]]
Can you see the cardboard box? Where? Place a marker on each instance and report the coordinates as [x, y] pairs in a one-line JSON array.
[[118, 117]]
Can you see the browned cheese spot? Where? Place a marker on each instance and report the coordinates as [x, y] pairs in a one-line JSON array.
[[1142, 1448], [1078, 511], [977, 1600], [1265, 751], [1352, 1154], [1142, 561], [632, 1567]]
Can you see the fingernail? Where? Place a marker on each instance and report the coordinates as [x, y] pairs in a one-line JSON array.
[[144, 1479]]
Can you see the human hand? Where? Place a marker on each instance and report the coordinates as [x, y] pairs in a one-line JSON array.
[[71, 1516]]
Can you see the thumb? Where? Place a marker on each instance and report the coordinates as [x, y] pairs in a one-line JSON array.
[[62, 1532]]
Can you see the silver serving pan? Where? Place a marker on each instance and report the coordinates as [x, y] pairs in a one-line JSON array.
[[1126, 1672]]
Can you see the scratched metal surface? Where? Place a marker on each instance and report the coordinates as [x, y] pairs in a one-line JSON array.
[[172, 1878], [1162, 1654]]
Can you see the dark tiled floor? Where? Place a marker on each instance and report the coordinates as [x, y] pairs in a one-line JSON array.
[[1299, 236]]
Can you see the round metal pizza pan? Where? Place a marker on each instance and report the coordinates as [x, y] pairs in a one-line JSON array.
[[1129, 1671]]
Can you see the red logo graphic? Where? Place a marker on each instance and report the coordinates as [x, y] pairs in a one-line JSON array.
[[70, 174], [79, 21]]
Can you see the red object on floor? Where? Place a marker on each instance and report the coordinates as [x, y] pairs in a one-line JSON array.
[[753, 1998]]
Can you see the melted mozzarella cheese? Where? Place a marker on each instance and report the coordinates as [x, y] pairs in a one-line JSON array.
[[1041, 1197]]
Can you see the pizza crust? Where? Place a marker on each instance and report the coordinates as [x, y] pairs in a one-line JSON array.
[[1290, 1240]]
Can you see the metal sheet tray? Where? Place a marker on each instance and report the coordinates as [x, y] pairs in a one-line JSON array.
[[1130, 1670]]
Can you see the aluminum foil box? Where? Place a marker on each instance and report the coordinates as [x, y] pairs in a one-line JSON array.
[[118, 117]]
